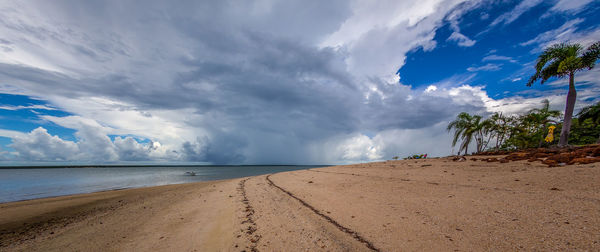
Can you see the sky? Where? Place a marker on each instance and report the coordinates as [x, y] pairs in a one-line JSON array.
[[270, 82]]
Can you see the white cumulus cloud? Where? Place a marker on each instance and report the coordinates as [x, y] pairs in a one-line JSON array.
[[461, 39]]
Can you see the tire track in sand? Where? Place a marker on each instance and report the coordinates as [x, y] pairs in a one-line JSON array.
[[347, 230]]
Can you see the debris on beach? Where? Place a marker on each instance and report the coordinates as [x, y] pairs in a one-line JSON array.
[[550, 156]]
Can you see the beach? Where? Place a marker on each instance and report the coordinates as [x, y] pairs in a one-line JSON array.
[[408, 205]]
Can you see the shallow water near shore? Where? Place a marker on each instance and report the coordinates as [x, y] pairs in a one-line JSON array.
[[33, 183]]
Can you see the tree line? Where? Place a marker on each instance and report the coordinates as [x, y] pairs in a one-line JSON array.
[[501, 132], [528, 130]]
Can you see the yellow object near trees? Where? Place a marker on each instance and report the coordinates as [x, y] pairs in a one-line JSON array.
[[550, 136]]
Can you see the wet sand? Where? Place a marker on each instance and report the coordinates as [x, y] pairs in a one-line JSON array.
[[412, 205]]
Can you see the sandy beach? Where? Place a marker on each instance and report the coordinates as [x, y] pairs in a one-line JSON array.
[[409, 205]]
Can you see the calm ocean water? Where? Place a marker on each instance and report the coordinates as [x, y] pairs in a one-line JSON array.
[[33, 183]]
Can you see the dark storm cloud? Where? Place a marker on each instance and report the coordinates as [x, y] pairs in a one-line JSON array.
[[225, 81], [257, 85], [227, 151], [239, 78]]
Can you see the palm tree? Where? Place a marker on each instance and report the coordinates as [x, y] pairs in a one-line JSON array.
[[514, 128], [484, 129], [561, 60], [498, 127], [591, 112], [541, 117], [466, 127]]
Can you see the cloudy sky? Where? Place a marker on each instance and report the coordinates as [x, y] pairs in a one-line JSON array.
[[270, 82]]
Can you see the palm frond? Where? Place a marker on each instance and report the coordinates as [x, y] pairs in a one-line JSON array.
[[559, 60], [591, 55], [549, 72], [590, 112]]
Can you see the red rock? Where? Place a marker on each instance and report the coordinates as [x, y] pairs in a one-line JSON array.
[[596, 152], [532, 159], [560, 158], [584, 160], [565, 157], [518, 156], [550, 162]]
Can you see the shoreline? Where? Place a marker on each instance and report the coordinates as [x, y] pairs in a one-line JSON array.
[[75, 194], [106, 181], [134, 166], [423, 204], [24, 222]]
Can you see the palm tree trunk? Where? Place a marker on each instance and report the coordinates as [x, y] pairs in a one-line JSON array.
[[498, 141], [571, 97]]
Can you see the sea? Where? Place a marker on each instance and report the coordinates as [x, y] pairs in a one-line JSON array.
[[25, 183]]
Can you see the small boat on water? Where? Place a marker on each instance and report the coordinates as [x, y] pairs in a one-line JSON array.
[[190, 173]]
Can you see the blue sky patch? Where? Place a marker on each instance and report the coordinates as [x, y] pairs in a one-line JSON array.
[[499, 59]]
